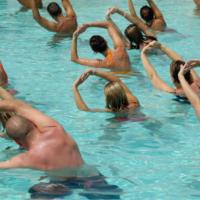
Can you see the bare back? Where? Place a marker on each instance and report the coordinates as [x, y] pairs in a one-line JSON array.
[[53, 148], [118, 60], [67, 25]]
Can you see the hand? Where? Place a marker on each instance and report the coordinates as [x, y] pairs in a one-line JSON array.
[[182, 70], [192, 63], [82, 78]]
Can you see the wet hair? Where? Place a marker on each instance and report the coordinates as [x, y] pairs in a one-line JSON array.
[[147, 13], [174, 70], [135, 36], [54, 9], [116, 98], [98, 44], [18, 127]]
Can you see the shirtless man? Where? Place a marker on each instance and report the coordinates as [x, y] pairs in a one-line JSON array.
[[64, 24], [48, 145], [115, 60], [27, 3], [151, 15]]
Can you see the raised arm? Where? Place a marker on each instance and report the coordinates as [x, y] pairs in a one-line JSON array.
[[135, 20], [51, 26], [113, 32], [23, 109], [68, 8], [158, 14], [131, 8], [97, 63], [125, 40], [170, 53], [156, 81], [190, 94]]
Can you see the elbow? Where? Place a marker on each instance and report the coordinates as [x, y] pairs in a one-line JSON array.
[[74, 59]]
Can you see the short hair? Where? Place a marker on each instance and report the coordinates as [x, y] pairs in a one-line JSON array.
[[54, 9], [134, 35], [174, 70], [116, 98], [18, 127], [98, 44], [147, 13]]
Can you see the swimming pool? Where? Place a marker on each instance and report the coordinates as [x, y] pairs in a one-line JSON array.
[[155, 159]]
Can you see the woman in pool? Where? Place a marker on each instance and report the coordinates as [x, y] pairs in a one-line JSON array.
[[116, 59], [193, 97], [118, 97], [138, 34], [191, 76]]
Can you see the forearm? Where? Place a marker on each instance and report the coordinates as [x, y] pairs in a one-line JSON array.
[[78, 99], [155, 8], [106, 75], [35, 11], [68, 7], [102, 24], [170, 53], [131, 8], [191, 95], [74, 51]]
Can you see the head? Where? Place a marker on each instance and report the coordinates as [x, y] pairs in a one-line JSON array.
[[18, 127], [98, 44], [54, 9], [134, 35], [174, 70], [146, 13], [116, 98]]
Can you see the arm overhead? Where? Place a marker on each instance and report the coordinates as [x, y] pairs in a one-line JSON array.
[[131, 8], [135, 20], [26, 111], [78, 99], [113, 32], [83, 61], [157, 12], [156, 81], [51, 26], [191, 95], [108, 18], [170, 53], [68, 8]]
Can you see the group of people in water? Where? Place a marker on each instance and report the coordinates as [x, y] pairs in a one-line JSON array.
[[48, 146]]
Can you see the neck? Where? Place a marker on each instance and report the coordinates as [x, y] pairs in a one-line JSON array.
[[58, 18], [106, 52]]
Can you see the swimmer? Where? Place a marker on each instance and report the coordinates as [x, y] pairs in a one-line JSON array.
[[64, 25], [197, 3], [192, 96], [48, 147], [152, 15], [191, 76], [115, 60], [117, 95], [138, 34], [27, 3], [3, 76]]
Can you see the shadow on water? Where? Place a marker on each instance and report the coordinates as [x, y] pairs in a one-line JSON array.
[[197, 11]]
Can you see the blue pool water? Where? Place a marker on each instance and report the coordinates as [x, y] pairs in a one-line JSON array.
[[155, 159]]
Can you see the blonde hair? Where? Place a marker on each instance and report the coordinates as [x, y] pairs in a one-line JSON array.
[[4, 117], [116, 98]]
